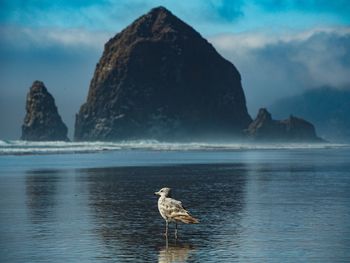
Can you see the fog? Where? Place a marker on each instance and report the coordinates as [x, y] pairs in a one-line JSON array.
[[65, 69], [272, 67]]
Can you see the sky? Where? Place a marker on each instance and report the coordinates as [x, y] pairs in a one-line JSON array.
[[281, 48]]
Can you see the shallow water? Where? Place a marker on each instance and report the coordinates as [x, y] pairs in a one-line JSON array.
[[277, 205]]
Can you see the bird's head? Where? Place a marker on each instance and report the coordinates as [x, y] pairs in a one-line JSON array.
[[164, 192]]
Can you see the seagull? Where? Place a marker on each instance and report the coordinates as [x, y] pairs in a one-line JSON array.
[[172, 210]]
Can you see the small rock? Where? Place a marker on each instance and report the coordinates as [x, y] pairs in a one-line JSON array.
[[294, 129], [42, 121]]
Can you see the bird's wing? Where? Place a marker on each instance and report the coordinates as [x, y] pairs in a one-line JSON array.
[[176, 211], [174, 207], [176, 204]]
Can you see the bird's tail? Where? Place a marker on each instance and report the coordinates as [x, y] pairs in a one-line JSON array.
[[187, 219]]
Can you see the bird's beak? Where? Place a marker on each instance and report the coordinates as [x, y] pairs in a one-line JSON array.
[[156, 193]]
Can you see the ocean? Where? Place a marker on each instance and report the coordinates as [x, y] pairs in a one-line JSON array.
[[94, 202]]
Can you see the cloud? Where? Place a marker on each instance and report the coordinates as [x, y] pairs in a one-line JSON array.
[[63, 59], [28, 37], [275, 66], [226, 10]]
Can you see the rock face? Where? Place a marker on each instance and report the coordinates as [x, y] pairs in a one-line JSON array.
[[264, 128], [160, 79], [42, 121]]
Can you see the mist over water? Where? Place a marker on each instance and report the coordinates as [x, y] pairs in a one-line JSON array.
[[254, 205], [28, 147]]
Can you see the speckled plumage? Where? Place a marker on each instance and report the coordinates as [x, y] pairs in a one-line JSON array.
[[172, 210]]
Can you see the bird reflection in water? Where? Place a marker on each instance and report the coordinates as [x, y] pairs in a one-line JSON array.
[[172, 253]]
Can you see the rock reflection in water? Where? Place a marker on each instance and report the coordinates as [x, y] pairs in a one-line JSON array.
[[41, 190]]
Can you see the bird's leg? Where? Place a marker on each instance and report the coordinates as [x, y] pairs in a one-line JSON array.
[[166, 228], [175, 230], [166, 243]]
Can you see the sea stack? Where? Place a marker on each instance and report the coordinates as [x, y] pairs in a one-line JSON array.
[[293, 129], [42, 121], [160, 79]]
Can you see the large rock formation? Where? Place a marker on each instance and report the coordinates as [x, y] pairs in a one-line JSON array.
[[42, 121], [294, 129], [160, 79]]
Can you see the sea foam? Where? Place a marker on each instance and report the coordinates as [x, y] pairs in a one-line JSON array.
[[55, 147]]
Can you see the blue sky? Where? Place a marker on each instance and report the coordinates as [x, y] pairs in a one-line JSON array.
[[280, 47], [210, 16]]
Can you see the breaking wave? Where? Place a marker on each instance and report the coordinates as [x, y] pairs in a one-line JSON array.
[[54, 147]]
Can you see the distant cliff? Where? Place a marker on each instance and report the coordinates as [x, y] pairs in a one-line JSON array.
[[42, 121], [160, 79], [327, 108], [293, 129]]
